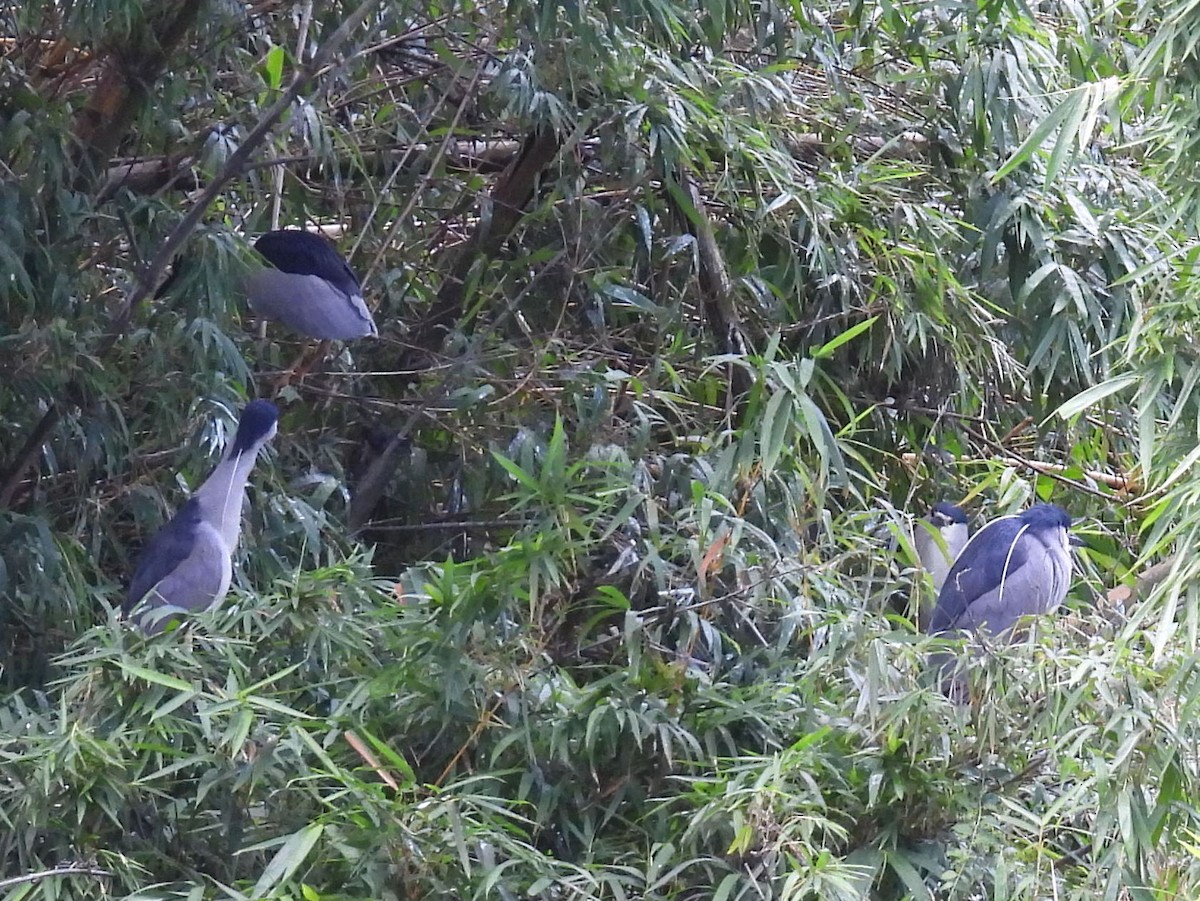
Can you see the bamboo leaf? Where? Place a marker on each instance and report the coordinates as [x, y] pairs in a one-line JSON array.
[[1090, 397], [287, 860], [827, 349]]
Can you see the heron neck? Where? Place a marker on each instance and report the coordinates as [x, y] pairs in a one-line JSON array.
[[222, 494]]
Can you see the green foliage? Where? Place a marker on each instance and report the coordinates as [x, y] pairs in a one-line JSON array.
[[634, 617]]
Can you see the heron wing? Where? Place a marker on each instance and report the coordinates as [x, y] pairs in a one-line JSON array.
[[185, 565], [309, 304], [166, 550], [303, 253], [990, 556]]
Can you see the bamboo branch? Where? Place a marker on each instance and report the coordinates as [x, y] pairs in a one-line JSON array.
[[716, 287], [506, 204], [152, 275], [1116, 482], [57, 871], [127, 74], [147, 174]]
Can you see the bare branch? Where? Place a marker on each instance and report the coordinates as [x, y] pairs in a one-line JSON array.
[[152, 275], [57, 871]]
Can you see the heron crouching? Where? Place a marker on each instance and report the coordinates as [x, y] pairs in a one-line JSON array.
[[308, 287], [1014, 567]]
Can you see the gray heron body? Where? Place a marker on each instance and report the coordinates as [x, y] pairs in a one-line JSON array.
[[1013, 567], [308, 287], [188, 564]]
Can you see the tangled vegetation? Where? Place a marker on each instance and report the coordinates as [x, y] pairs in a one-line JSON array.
[[592, 578]]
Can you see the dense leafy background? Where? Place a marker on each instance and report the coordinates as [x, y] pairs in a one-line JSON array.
[[675, 300]]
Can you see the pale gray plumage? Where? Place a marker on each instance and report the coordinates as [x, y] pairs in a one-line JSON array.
[[938, 538], [1014, 567], [188, 564], [308, 287]]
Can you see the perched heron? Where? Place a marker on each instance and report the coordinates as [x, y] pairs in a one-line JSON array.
[[1015, 566], [308, 287], [188, 565], [938, 539]]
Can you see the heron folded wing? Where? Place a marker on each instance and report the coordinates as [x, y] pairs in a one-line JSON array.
[[310, 305], [187, 566], [990, 555], [166, 550], [1025, 591], [303, 253]]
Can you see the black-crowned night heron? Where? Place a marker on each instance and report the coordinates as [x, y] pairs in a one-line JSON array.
[[938, 538], [308, 287], [1015, 566], [188, 565]]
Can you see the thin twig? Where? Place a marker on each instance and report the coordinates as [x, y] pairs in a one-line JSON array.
[[1116, 482], [57, 871], [1041, 468], [484, 721], [1053, 470], [281, 171], [151, 275], [452, 526]]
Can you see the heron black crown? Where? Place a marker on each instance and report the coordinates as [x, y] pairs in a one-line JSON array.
[[1046, 516], [258, 418], [950, 512]]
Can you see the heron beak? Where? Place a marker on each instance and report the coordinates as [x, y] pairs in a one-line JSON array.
[[1076, 541]]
